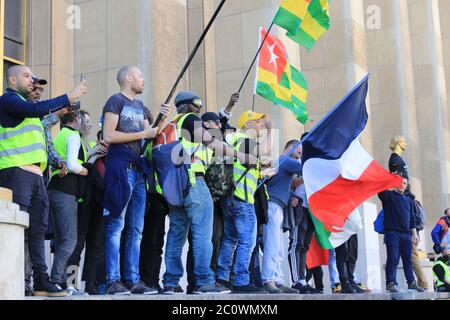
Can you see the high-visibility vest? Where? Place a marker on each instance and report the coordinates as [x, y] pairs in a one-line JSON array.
[[60, 144], [245, 180], [197, 152], [23, 145], [437, 282]]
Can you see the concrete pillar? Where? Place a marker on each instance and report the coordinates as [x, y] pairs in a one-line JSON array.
[[431, 106], [13, 222], [369, 265]]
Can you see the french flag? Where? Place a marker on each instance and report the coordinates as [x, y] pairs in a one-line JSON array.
[[339, 174]]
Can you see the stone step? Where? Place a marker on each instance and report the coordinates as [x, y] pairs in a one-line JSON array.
[[262, 297]]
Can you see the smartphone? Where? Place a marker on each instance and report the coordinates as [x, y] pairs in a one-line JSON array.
[[83, 77]]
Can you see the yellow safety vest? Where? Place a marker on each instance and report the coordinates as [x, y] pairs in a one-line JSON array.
[[60, 144], [437, 282], [197, 151], [23, 145], [245, 181]]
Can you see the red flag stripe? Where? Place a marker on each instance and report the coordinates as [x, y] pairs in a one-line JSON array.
[[336, 201]]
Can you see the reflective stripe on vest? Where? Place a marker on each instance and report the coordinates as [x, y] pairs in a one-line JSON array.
[[60, 144], [438, 282], [23, 145], [245, 186], [197, 151]]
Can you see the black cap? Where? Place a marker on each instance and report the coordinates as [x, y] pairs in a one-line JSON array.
[[210, 116], [42, 82]]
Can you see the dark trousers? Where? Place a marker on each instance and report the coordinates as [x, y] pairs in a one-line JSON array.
[[255, 265], [317, 274], [153, 239], [398, 245], [346, 256], [299, 241], [216, 241], [91, 231], [30, 193]]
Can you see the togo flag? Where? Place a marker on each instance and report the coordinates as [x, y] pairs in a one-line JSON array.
[[339, 174]]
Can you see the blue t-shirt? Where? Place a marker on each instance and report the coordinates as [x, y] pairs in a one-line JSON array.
[[279, 186], [132, 115]]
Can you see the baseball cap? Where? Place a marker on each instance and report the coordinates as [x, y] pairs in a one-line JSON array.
[[210, 116], [42, 82], [248, 116], [186, 97]]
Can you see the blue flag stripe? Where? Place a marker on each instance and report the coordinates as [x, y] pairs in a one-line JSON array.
[[332, 136]]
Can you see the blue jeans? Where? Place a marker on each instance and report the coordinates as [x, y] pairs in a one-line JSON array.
[[197, 213], [134, 214], [332, 269], [239, 221], [398, 245]]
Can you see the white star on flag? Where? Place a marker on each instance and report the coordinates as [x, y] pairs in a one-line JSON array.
[[273, 56]]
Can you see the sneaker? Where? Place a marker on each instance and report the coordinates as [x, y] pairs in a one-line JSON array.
[[337, 288], [271, 288], [302, 289], [414, 287], [363, 287], [248, 289], [224, 283], [212, 289], [287, 290], [92, 289], [72, 291], [157, 287], [140, 288], [28, 292], [44, 288], [358, 289], [348, 289], [117, 289], [173, 290], [392, 288]]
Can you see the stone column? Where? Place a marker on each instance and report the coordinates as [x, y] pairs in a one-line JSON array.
[[431, 107], [13, 222]]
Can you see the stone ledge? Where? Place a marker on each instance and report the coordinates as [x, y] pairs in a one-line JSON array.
[[10, 214], [6, 195], [261, 297]]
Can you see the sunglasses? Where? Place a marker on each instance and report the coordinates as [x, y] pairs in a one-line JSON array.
[[197, 103], [39, 89]]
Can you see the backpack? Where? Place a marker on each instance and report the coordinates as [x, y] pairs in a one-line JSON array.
[[173, 176], [219, 177], [419, 214], [378, 224]]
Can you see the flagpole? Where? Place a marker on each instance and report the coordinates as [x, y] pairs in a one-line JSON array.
[[183, 71], [256, 57], [256, 73]]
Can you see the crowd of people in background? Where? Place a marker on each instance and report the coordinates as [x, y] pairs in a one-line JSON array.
[[105, 198]]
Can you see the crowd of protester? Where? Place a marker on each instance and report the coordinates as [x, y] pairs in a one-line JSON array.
[[104, 198]]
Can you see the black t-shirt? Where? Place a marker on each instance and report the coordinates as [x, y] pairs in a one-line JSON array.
[[190, 124], [398, 165], [132, 113]]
